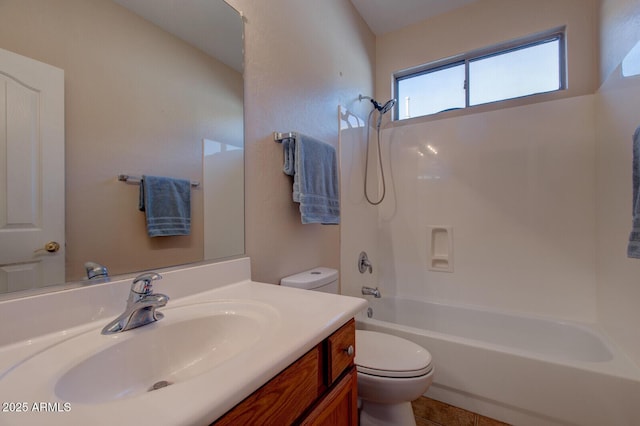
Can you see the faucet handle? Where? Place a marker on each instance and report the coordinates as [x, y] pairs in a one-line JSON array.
[[142, 283], [364, 264]]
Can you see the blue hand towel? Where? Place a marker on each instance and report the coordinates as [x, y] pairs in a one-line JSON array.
[[289, 149], [633, 249], [314, 168], [167, 205]]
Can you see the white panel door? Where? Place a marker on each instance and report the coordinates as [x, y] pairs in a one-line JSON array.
[[31, 173]]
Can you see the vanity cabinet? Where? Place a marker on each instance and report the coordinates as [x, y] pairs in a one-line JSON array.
[[319, 389]]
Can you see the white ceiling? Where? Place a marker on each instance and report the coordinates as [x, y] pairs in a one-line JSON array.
[[384, 16]]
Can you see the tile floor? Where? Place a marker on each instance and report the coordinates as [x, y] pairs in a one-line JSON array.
[[430, 412]]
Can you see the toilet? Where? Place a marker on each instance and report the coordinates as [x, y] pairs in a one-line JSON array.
[[392, 371]]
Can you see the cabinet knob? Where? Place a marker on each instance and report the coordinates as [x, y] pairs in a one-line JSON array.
[[349, 351]]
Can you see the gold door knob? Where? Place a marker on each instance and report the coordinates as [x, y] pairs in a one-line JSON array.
[[51, 247]]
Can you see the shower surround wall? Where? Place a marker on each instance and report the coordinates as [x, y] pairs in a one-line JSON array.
[[517, 187], [359, 218], [514, 180], [539, 195]]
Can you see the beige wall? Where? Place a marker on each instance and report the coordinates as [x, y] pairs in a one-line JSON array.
[[488, 22], [618, 103], [303, 59], [137, 101]]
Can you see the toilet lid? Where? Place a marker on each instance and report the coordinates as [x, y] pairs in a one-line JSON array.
[[385, 355]]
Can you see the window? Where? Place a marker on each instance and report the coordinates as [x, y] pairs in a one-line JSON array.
[[508, 71]]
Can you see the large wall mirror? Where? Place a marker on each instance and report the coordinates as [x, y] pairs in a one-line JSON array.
[[135, 87]]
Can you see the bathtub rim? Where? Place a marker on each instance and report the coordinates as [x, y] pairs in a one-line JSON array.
[[620, 365]]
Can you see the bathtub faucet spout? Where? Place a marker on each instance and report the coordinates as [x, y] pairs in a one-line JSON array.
[[368, 291]]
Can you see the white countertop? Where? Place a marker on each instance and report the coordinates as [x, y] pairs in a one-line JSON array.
[[302, 320]]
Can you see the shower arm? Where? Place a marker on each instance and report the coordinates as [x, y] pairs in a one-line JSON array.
[[376, 105]]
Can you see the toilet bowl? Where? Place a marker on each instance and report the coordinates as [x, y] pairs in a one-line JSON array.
[[391, 371]]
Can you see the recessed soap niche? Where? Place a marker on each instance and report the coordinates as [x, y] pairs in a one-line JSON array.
[[440, 248]]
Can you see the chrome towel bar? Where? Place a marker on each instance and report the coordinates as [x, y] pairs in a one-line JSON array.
[[277, 136], [131, 179]]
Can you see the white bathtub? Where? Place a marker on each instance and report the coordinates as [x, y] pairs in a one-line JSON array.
[[518, 369]]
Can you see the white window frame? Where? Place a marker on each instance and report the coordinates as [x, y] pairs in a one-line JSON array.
[[465, 58]]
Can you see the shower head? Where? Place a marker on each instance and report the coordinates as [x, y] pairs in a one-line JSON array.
[[386, 107], [381, 108]]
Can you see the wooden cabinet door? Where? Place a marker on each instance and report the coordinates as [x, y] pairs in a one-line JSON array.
[[281, 400], [339, 407], [340, 351]]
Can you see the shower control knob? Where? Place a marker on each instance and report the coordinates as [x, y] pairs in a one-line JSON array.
[[364, 264], [350, 351]]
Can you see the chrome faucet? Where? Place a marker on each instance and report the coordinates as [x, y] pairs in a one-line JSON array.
[[369, 291], [95, 270], [141, 305]]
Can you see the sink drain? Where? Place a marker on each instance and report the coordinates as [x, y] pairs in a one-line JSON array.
[[159, 385]]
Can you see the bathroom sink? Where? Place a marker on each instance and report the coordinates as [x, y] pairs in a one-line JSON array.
[[189, 341], [211, 350]]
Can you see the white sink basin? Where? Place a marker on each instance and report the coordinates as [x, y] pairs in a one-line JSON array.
[[188, 342], [215, 346]]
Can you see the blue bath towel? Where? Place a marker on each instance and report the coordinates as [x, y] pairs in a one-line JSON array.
[[167, 205], [633, 249], [314, 167]]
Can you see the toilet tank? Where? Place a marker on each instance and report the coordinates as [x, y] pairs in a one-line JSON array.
[[318, 279]]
